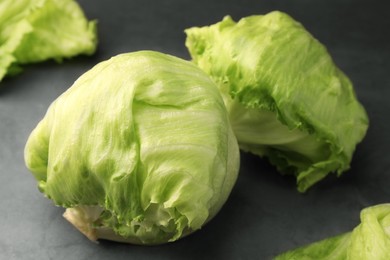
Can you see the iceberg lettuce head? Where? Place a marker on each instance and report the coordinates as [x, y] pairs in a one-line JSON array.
[[369, 240], [287, 100], [37, 30], [138, 150]]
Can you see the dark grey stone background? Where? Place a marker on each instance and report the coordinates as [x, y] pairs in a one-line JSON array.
[[265, 215]]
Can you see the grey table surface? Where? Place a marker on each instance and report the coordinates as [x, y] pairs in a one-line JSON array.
[[264, 215]]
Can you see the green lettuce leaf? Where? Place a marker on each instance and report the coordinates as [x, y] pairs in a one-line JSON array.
[[139, 150], [369, 240], [34, 31], [286, 98]]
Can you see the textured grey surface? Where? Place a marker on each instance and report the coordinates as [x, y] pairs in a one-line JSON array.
[[264, 214]]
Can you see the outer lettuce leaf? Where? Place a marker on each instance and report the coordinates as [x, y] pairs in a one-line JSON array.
[[34, 31], [286, 98], [139, 149], [369, 240]]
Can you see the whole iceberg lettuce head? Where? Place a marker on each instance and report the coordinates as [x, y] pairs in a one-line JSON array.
[[286, 98], [139, 149]]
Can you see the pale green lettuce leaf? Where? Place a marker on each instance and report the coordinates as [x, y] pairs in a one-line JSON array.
[[34, 31], [139, 149], [287, 99], [369, 240]]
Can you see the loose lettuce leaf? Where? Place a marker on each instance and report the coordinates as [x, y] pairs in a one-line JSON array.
[[37, 30], [369, 240], [286, 98], [139, 149]]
